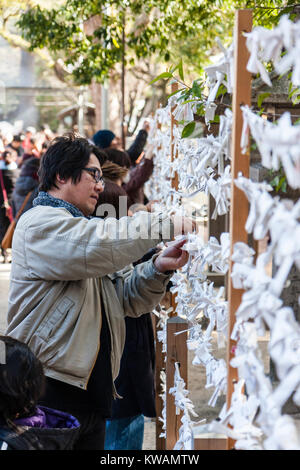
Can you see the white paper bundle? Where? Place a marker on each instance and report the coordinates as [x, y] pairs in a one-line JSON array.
[[267, 45], [278, 143], [184, 404]]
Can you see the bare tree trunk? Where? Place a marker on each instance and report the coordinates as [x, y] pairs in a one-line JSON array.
[[95, 89], [27, 111]]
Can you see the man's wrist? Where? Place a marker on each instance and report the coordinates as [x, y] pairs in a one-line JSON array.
[[159, 270]]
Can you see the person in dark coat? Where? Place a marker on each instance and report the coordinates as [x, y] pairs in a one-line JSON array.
[[27, 181], [9, 176], [109, 203], [134, 184], [107, 139], [24, 425], [139, 175], [16, 146], [135, 382]]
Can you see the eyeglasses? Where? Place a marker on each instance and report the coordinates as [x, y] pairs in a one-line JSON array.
[[96, 175]]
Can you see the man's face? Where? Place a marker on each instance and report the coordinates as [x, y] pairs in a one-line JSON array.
[[84, 194], [116, 143]]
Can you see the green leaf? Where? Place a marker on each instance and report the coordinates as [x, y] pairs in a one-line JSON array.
[[193, 100], [284, 186], [180, 70], [175, 92], [216, 119], [196, 89], [275, 182], [161, 76], [296, 100], [115, 43], [261, 98], [188, 129], [221, 91]]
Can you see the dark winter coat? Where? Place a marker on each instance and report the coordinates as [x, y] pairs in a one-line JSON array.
[[48, 429], [135, 382], [137, 146], [27, 181], [9, 179], [138, 177]]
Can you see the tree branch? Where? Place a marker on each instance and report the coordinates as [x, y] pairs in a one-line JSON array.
[[17, 41]]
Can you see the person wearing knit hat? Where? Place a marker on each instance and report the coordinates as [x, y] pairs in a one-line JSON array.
[[104, 138]]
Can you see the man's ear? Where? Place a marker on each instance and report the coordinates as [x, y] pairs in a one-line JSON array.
[[60, 181]]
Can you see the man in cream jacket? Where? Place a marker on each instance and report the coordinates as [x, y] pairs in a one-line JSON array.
[[72, 282]]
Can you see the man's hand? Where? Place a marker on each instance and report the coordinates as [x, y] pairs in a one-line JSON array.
[[172, 257], [183, 225]]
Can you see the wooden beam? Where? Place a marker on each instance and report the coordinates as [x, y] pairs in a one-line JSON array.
[[240, 163], [210, 443]]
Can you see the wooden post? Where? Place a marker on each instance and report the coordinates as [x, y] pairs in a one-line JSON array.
[[123, 132], [176, 352], [159, 366], [240, 163], [174, 155]]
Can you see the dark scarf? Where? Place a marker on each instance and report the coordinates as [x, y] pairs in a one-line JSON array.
[[44, 199]]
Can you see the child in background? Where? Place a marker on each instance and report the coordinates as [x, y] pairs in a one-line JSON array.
[[23, 425]]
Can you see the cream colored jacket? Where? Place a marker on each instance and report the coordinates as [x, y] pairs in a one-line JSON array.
[[61, 267]]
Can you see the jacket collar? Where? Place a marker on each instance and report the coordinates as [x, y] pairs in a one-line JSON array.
[[45, 199]]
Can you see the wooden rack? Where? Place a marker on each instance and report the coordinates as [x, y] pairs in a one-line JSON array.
[[176, 344]]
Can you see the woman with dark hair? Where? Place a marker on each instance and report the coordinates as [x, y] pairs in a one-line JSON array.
[[119, 157], [112, 202], [24, 425], [114, 173], [135, 180]]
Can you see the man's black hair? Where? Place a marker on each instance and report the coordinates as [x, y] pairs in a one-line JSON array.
[[22, 380], [66, 157]]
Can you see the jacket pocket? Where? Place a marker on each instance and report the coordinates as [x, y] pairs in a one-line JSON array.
[[54, 319]]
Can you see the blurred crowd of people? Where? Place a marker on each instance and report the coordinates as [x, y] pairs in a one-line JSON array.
[[19, 163], [125, 172]]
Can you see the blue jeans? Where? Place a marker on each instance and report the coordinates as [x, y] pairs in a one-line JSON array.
[[125, 433]]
